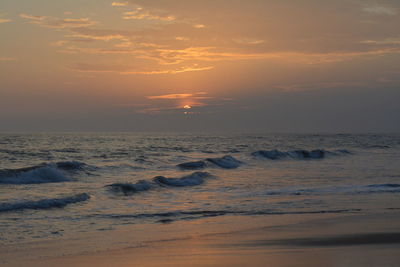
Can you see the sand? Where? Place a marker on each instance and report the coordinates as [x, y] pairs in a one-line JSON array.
[[317, 240]]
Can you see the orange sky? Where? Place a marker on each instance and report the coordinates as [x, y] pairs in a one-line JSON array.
[[132, 65]]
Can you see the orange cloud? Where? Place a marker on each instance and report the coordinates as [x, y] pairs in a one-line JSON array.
[[194, 96], [131, 71], [102, 37], [199, 26], [119, 4], [178, 102], [193, 56], [173, 71], [198, 102], [249, 41], [139, 14], [58, 23], [170, 96], [170, 45], [5, 20]]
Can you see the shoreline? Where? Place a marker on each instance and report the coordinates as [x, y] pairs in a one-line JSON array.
[[301, 241]]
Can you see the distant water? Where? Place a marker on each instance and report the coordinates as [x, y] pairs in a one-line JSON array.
[[57, 185]]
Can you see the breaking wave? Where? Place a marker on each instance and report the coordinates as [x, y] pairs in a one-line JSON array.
[[298, 154], [44, 173], [383, 188], [226, 162], [128, 188], [193, 165], [71, 165], [44, 203], [196, 178]]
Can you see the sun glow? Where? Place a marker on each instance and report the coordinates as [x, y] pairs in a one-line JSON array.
[[187, 107]]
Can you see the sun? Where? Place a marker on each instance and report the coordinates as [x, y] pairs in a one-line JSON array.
[[187, 107]]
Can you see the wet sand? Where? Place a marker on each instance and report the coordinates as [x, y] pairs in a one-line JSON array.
[[355, 240]]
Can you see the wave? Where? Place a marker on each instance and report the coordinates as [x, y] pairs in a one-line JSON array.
[[384, 185], [129, 189], [377, 146], [43, 173], [298, 154], [270, 154], [67, 150], [196, 178], [33, 175], [381, 188], [44, 203], [71, 165], [194, 165], [347, 189], [226, 162], [197, 214]]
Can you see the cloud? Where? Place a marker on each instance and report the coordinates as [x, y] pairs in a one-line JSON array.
[[181, 38], [82, 67], [387, 41], [119, 4], [199, 26], [100, 34], [213, 54], [31, 17], [199, 55], [249, 41], [98, 37], [139, 14], [185, 103], [179, 102], [165, 42], [170, 71], [58, 23], [59, 43], [4, 20], [170, 96], [320, 85], [380, 10], [163, 56]]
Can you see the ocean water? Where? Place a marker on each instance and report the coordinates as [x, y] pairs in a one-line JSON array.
[[58, 186]]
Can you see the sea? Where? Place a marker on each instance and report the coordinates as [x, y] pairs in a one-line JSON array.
[[57, 186]]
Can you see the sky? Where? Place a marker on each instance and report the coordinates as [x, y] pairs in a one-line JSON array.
[[308, 66]]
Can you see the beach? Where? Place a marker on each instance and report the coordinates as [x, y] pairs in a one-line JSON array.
[[352, 240], [199, 200], [204, 133]]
